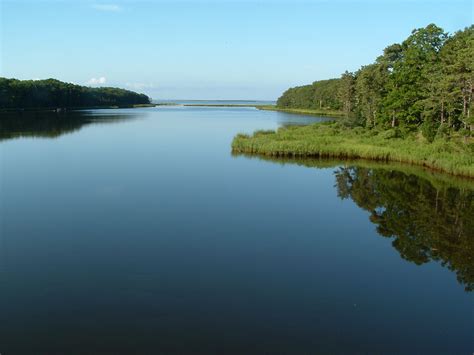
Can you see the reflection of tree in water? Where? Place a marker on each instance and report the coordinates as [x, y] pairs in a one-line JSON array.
[[427, 223], [50, 124]]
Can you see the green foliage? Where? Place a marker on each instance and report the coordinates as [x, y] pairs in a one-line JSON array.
[[429, 130], [443, 131], [53, 93], [369, 91], [321, 95], [346, 93], [409, 80], [425, 81], [390, 133]]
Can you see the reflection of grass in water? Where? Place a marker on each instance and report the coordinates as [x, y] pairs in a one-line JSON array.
[[332, 140], [437, 179]]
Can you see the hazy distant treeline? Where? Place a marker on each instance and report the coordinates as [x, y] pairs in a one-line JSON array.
[[425, 81], [53, 93]]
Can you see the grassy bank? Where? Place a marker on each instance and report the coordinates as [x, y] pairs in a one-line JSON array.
[[302, 111], [454, 155]]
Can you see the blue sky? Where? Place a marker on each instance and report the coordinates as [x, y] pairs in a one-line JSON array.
[[207, 49]]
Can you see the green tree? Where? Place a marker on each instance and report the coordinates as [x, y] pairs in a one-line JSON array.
[[53, 93], [346, 92], [426, 83], [370, 90], [458, 69]]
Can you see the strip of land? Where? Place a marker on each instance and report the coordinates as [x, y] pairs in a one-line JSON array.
[[218, 105], [303, 111], [453, 154]]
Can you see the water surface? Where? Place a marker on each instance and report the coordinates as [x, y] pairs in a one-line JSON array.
[[217, 102], [137, 231]]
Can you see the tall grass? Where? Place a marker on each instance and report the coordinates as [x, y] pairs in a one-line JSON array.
[[303, 111], [454, 155]]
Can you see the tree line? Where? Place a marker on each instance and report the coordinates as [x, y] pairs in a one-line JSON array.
[[53, 93], [424, 82]]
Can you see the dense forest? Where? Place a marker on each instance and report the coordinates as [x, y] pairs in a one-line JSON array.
[[425, 82], [53, 93]]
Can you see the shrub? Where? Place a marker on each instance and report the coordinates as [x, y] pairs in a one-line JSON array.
[[443, 131], [429, 130], [391, 133]]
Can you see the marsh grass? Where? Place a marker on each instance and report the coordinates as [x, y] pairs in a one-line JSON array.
[[302, 111], [451, 154]]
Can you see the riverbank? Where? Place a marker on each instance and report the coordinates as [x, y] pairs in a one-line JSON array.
[[453, 155], [302, 111]]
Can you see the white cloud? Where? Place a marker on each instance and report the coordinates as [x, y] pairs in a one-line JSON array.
[[107, 7], [97, 81], [140, 86]]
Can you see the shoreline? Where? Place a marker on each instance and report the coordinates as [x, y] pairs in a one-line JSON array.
[[302, 111], [307, 112], [217, 105], [330, 142]]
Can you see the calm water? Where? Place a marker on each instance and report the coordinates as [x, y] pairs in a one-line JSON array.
[[137, 231], [217, 102]]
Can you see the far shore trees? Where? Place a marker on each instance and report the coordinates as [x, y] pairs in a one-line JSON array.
[[51, 93]]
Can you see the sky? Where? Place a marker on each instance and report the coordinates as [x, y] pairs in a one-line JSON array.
[[206, 49]]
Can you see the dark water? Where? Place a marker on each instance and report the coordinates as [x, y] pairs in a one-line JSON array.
[[137, 232]]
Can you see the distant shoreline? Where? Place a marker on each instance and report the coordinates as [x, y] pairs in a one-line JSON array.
[[219, 105], [302, 111], [325, 113]]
